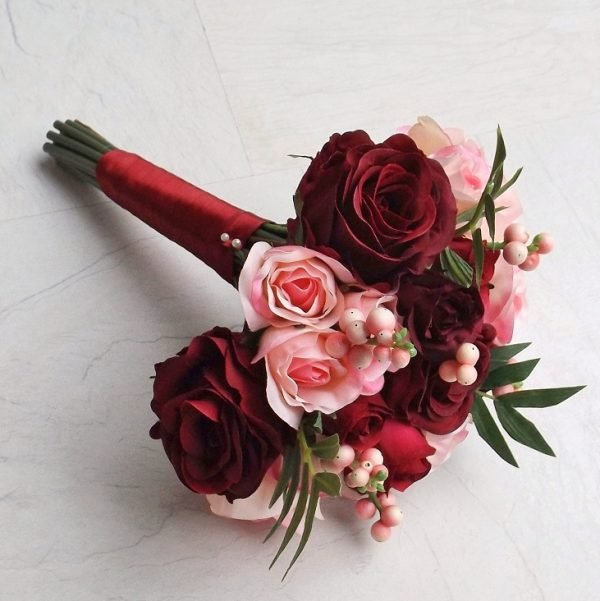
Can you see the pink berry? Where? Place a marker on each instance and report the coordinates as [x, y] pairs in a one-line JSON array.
[[467, 353], [360, 356], [385, 337], [500, 390], [382, 354], [391, 516], [466, 375], [532, 261], [357, 332], [380, 532], [366, 465], [400, 358], [344, 457], [357, 477], [448, 370], [376, 469], [349, 316], [386, 500], [364, 509], [515, 232], [337, 345], [544, 242], [515, 253], [373, 455], [380, 318]]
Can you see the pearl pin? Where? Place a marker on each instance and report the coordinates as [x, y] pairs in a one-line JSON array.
[[236, 243], [224, 237]]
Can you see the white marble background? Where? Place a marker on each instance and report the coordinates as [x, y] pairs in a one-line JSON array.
[[220, 92]]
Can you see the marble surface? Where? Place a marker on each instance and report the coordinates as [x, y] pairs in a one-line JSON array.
[[220, 92]]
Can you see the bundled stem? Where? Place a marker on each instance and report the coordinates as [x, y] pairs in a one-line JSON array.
[[77, 148]]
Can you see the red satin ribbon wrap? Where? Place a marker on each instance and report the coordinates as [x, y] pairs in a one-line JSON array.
[[183, 213]]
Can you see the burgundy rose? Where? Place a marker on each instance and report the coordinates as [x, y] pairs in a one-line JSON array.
[[418, 395], [214, 420], [439, 314], [405, 450], [359, 423], [384, 208]]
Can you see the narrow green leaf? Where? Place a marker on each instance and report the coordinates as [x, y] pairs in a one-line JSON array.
[[509, 183], [490, 215], [455, 268], [540, 397], [297, 516], [470, 213], [285, 474], [479, 252], [298, 203], [317, 424], [309, 519], [502, 354], [510, 373], [489, 431], [519, 428], [328, 483], [327, 448], [289, 495], [500, 152], [301, 156]]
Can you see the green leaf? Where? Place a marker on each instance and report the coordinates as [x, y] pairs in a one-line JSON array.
[[478, 251], [327, 448], [309, 519], [539, 398], [509, 183], [296, 517], [290, 457], [328, 483], [490, 215], [489, 431], [502, 354], [500, 152], [289, 494], [519, 428], [455, 268], [298, 203], [510, 373], [470, 213]]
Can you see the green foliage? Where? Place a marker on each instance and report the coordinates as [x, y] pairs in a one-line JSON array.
[[509, 373], [300, 482], [517, 426], [489, 431], [492, 190], [455, 268]]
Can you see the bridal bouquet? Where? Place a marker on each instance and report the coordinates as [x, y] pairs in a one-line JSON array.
[[378, 323]]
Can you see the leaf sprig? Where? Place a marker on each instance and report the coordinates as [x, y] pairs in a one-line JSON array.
[[302, 483], [455, 268], [516, 425]]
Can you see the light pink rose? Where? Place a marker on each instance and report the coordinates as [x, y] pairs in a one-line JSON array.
[[445, 444], [366, 299], [467, 169], [303, 377], [464, 162], [291, 285], [506, 300]]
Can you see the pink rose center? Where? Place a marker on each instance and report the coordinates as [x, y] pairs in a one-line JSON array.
[[300, 290], [309, 373]]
